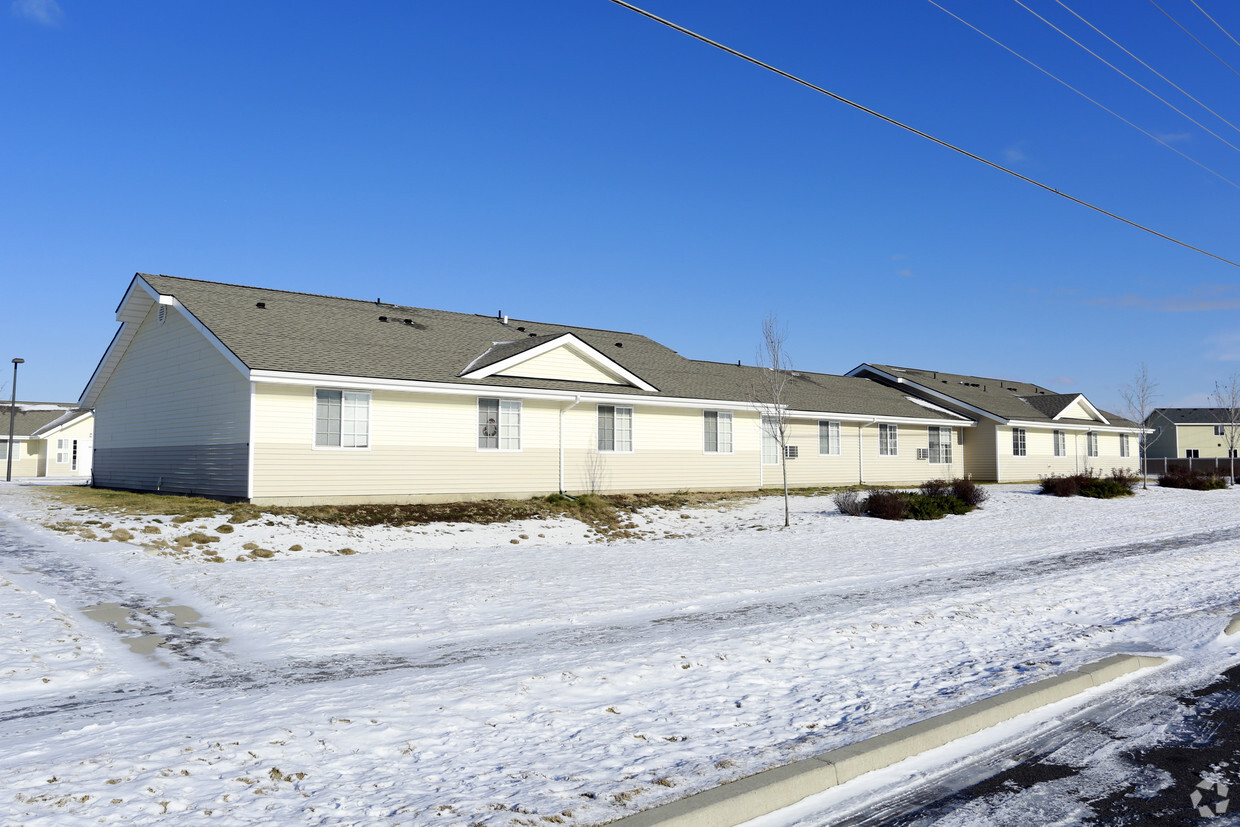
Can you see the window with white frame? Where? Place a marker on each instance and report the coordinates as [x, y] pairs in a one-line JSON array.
[[499, 424], [829, 438], [1091, 444], [888, 443], [770, 440], [1018, 442], [940, 444], [717, 427], [615, 428], [1061, 444], [4, 450], [1123, 445], [341, 419], [63, 450], [1192, 453], [1218, 430]]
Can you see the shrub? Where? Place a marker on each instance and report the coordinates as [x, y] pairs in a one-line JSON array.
[[887, 505], [969, 492], [936, 488], [1195, 480], [850, 503], [1065, 486], [1125, 478], [934, 506], [1105, 488]]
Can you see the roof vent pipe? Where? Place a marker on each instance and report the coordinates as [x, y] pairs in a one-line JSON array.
[[505, 320], [260, 304]]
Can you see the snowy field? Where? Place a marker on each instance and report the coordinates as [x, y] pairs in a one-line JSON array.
[[446, 674]]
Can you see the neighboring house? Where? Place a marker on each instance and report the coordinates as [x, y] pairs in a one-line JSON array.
[[1189, 433], [50, 439], [288, 398], [1023, 431]]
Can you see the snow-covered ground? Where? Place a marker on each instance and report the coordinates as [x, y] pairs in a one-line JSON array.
[[446, 674]]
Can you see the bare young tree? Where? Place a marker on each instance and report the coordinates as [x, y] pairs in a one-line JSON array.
[[1138, 399], [768, 393], [1226, 398]]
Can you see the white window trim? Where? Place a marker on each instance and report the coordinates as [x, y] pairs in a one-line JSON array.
[[1059, 441], [731, 433], [1125, 448], [632, 429], [499, 434], [314, 422], [836, 444], [1024, 442], [893, 440], [1091, 444], [943, 443]]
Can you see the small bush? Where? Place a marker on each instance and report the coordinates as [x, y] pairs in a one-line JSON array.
[[850, 503], [887, 505], [1126, 478], [969, 492], [934, 507], [1065, 486], [1105, 488], [936, 488], [1194, 480]]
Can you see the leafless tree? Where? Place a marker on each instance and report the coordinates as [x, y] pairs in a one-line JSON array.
[[595, 471], [1226, 398], [769, 393], [1139, 400]]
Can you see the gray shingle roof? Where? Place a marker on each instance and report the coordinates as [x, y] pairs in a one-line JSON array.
[[1004, 398], [306, 333], [1193, 416], [32, 417]]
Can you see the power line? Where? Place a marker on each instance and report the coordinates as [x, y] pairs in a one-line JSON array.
[[1167, 80], [906, 127], [1129, 77], [1215, 22], [1194, 37], [1096, 103]]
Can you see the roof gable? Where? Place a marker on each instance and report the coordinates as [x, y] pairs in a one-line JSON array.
[[563, 358]]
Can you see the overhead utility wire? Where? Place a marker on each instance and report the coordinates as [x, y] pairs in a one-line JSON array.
[[906, 127], [1096, 103], [1167, 80], [1215, 22], [1194, 37], [1129, 77]]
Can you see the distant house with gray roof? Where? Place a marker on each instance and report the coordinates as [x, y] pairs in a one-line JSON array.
[[50, 439], [281, 397], [1189, 433], [1024, 431]]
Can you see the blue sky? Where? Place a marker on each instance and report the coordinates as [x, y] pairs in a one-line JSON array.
[[572, 162]]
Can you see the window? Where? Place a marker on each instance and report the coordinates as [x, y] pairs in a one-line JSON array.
[[1091, 444], [499, 424], [1218, 430], [1192, 453], [4, 450], [1061, 446], [1018, 442], [940, 444], [341, 419], [717, 426], [615, 428], [62, 451], [770, 441], [829, 438], [887, 443], [1123, 445]]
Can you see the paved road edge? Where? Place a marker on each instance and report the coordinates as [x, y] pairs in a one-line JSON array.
[[756, 795]]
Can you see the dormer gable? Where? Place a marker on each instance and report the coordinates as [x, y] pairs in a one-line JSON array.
[[562, 358]]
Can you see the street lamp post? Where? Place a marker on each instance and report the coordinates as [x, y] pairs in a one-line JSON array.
[[8, 471]]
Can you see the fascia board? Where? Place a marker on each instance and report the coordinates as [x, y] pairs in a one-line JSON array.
[[232, 358], [563, 340], [1064, 426], [371, 383], [937, 394], [44, 434], [868, 418], [107, 363], [1089, 407]]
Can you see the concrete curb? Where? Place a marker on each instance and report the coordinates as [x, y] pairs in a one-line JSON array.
[[756, 795], [1234, 625]]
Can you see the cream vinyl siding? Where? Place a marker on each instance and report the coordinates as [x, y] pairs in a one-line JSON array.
[[1040, 460], [979, 451], [811, 468], [27, 456], [561, 363], [174, 415], [83, 431], [1203, 439], [668, 453], [905, 468], [422, 447]]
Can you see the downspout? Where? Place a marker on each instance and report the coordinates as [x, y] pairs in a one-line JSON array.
[[861, 451], [576, 402]]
